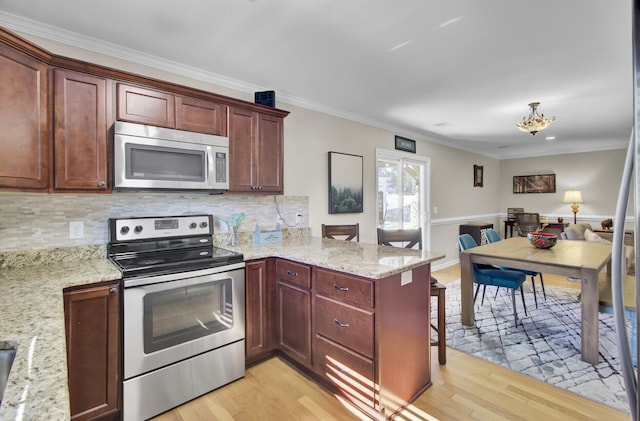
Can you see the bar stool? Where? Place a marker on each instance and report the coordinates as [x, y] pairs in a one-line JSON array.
[[438, 290], [410, 238]]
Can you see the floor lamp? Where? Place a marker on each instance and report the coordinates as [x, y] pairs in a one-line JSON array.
[[574, 197]]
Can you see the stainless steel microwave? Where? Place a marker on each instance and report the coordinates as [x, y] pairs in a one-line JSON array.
[[148, 157]]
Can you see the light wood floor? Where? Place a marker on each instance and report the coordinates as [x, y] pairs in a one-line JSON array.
[[466, 388]]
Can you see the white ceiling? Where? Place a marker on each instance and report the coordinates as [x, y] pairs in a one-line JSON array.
[[459, 72]]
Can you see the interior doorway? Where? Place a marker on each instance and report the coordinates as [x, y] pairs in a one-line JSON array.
[[403, 185]]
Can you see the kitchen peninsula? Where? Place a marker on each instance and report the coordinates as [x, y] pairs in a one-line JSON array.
[[386, 283]]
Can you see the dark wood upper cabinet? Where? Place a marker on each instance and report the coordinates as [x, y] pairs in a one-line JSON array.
[[24, 134], [198, 115], [146, 106], [72, 152], [164, 109], [256, 151], [80, 131]]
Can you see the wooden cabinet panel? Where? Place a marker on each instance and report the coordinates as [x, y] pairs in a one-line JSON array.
[[349, 372], [241, 155], [92, 324], [197, 115], [270, 153], [294, 310], [345, 324], [344, 287], [80, 131], [256, 293], [24, 138], [146, 106], [256, 150], [294, 273], [294, 316]]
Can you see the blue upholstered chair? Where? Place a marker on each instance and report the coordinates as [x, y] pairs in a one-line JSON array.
[[489, 275], [493, 236]]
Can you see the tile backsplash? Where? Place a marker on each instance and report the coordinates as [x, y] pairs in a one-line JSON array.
[[36, 221]]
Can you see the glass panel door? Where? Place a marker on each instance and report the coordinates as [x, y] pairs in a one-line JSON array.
[[402, 186]]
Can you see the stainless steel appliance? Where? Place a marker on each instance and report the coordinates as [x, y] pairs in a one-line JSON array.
[[148, 157], [629, 182], [183, 311]]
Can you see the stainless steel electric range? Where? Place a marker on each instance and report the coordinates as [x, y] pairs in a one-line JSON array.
[[183, 311]]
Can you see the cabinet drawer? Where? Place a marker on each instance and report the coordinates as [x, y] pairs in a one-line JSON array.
[[344, 324], [344, 287], [348, 372], [294, 273]]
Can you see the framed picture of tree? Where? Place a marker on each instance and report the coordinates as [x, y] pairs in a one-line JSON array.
[[345, 183]]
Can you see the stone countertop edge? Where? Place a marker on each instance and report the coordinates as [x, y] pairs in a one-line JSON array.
[[361, 259], [33, 322], [31, 296]]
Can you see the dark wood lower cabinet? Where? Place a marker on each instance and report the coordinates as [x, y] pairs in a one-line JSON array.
[[92, 322], [260, 293]]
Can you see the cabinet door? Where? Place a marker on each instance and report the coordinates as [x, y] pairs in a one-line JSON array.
[[146, 106], [92, 331], [197, 115], [270, 152], [294, 322], [256, 150], [80, 131], [256, 306], [241, 156], [24, 138]]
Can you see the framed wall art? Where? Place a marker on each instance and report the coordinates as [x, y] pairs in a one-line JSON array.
[[404, 144], [544, 183], [478, 175], [345, 183]]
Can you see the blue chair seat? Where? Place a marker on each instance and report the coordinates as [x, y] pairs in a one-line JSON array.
[[492, 236], [487, 275]]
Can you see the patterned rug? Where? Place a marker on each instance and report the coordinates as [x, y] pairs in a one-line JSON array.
[[546, 346]]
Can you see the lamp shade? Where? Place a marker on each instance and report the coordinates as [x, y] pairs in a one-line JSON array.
[[572, 196]]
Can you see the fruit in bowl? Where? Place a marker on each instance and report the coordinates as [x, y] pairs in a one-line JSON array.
[[542, 240]]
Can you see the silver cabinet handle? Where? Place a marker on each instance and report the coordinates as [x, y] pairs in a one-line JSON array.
[[292, 273], [339, 288], [340, 324], [113, 291], [102, 184]]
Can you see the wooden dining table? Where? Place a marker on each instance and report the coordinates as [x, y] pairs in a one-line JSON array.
[[577, 259]]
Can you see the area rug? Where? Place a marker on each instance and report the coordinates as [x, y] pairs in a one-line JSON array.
[[546, 346]]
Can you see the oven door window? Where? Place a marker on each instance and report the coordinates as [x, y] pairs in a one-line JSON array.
[[150, 162], [182, 314]]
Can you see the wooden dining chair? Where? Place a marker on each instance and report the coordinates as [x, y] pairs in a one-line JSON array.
[[408, 239], [349, 232]]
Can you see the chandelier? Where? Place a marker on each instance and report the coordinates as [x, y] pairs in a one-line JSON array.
[[535, 122]]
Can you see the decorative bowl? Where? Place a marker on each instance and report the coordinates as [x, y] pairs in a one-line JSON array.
[[542, 240]]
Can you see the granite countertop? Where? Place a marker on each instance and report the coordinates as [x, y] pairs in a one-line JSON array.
[[362, 259], [32, 321], [31, 296]]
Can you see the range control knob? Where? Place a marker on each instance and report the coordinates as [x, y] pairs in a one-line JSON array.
[[124, 230], [203, 225], [193, 225], [138, 229]]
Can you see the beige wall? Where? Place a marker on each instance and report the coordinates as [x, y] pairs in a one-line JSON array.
[[596, 174], [309, 135]]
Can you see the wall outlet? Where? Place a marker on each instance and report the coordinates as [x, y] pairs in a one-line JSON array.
[[76, 229]]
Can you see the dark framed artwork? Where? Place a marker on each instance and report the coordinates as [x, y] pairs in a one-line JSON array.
[[543, 183], [478, 175], [345, 183], [404, 144]]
